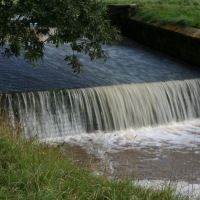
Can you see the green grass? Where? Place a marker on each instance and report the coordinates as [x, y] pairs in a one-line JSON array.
[[29, 170], [182, 12]]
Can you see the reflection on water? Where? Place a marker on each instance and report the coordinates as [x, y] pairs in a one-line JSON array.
[[129, 63]]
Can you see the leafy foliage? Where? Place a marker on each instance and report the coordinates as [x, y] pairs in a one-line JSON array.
[[26, 25]]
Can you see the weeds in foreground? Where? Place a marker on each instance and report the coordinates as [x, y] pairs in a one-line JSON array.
[[30, 170]]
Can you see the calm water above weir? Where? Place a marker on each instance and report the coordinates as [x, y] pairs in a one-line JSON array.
[[129, 63]]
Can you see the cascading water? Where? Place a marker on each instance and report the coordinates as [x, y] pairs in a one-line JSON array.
[[67, 112]]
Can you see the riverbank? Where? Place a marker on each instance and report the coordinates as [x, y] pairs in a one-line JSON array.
[[31, 170], [184, 13], [178, 168], [173, 38]]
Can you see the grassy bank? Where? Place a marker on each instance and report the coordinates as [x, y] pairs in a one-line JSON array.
[[29, 170], [182, 12]]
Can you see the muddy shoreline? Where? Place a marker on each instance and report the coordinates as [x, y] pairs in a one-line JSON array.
[[148, 163]]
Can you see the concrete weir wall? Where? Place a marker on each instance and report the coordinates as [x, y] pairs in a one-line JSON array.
[[179, 42]]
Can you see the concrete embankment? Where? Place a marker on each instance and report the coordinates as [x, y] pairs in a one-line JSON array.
[[180, 42]]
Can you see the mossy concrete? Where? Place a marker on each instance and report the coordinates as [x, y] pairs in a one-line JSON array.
[[180, 42]]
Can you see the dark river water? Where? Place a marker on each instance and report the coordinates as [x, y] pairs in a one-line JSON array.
[[129, 63]]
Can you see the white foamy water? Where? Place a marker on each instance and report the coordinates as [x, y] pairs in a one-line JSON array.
[[174, 135], [110, 108]]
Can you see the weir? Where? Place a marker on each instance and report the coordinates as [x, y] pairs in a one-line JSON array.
[[136, 87], [106, 108]]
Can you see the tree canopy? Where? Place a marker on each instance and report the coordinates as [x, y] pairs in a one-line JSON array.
[[81, 23]]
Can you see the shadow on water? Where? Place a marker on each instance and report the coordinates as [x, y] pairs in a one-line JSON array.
[[129, 62]]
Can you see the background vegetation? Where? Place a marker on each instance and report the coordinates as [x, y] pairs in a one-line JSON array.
[[183, 12]]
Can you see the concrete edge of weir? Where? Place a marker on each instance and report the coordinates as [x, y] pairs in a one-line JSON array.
[[178, 41]]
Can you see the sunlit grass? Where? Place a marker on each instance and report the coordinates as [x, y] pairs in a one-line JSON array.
[[183, 12]]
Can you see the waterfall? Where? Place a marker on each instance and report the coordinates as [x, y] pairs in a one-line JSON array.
[[109, 108]]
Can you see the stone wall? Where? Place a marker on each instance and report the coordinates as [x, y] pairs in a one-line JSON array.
[[179, 42]]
